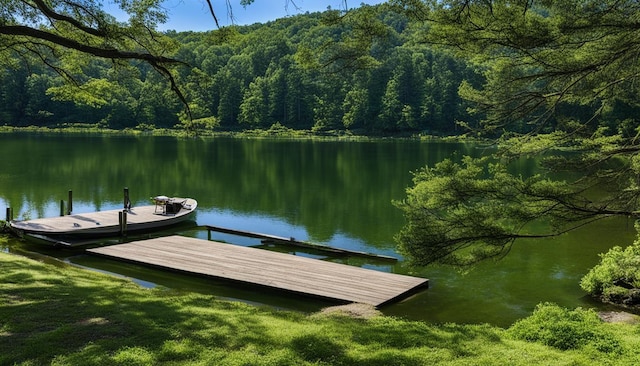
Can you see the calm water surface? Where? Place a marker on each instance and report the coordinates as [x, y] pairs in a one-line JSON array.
[[335, 193]]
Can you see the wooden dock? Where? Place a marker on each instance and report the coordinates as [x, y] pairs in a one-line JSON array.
[[327, 280]]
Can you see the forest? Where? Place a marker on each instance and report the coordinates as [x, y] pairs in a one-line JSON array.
[[294, 72]]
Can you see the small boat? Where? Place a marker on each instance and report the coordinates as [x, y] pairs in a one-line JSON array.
[[164, 212]]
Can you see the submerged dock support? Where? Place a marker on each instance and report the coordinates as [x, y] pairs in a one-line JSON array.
[[292, 241]]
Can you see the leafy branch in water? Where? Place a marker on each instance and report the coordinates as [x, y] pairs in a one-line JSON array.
[[461, 213]]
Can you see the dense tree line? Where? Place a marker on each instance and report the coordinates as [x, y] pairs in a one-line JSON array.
[[296, 72]]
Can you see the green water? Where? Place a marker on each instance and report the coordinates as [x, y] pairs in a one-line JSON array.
[[335, 193]]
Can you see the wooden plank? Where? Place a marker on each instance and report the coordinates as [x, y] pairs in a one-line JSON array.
[[265, 268]]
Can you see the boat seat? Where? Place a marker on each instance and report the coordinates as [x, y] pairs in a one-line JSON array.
[[172, 207], [161, 202]]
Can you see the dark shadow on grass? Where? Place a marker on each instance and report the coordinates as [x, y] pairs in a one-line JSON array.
[[49, 314], [399, 334], [79, 317], [317, 348], [73, 315]]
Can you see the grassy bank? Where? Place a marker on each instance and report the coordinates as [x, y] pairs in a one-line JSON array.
[[274, 132], [61, 315]]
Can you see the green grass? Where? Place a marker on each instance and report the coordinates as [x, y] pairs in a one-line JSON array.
[[276, 131], [62, 315]]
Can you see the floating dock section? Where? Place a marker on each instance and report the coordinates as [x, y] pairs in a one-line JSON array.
[[307, 276], [267, 238]]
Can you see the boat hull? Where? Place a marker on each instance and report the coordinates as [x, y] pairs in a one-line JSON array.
[[109, 223]]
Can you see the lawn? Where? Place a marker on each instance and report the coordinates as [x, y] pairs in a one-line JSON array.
[[57, 314]]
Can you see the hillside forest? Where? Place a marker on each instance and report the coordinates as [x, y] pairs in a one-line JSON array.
[[295, 72]]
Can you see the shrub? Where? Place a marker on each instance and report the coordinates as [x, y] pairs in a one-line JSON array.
[[565, 329], [616, 274]]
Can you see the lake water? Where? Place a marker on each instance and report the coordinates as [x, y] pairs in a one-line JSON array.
[[328, 192]]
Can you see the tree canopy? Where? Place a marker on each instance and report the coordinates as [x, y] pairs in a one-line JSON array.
[[320, 71], [57, 32], [561, 82]]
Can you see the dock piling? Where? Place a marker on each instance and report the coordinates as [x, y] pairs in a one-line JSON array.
[[9, 214], [70, 205], [122, 220], [61, 207], [127, 201]]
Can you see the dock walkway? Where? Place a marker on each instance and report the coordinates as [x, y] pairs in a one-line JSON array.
[[261, 267]]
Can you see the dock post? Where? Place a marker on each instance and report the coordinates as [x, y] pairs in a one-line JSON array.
[[122, 219], [127, 201], [70, 208], [61, 207], [9, 214], [209, 234]]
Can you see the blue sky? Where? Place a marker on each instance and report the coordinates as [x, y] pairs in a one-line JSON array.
[[185, 15]]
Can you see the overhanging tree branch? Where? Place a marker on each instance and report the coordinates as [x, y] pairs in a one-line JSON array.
[[50, 13], [157, 62], [110, 53]]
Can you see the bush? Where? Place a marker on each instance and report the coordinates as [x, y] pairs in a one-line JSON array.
[[565, 329], [617, 273]]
